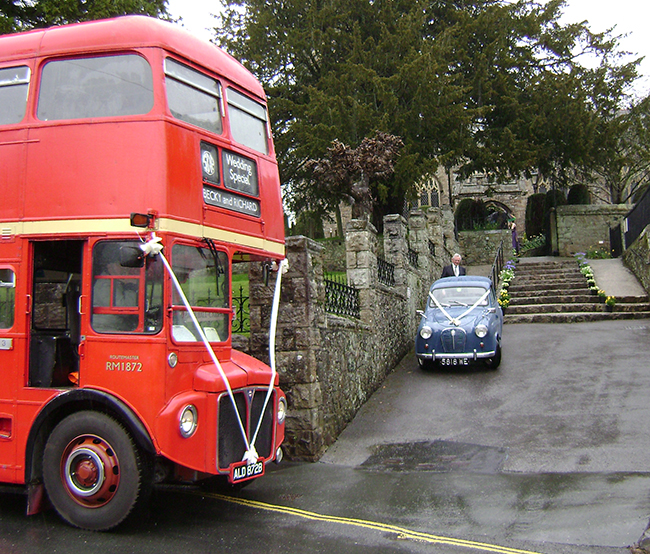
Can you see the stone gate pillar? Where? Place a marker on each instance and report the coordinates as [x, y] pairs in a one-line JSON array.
[[298, 341], [361, 258]]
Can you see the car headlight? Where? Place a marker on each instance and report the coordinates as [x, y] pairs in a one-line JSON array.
[[188, 421], [282, 410], [425, 332], [481, 330]]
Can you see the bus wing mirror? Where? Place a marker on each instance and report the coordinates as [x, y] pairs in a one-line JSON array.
[[131, 256]]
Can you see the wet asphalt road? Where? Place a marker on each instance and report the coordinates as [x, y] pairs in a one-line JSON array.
[[549, 454]]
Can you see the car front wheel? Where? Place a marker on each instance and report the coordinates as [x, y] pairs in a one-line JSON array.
[[494, 361], [426, 365]]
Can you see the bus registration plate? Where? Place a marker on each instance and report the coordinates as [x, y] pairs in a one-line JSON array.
[[243, 471]]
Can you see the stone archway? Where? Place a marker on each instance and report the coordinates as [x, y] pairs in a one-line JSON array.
[[501, 213]]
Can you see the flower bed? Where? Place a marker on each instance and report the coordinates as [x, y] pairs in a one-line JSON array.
[[507, 274], [588, 273]]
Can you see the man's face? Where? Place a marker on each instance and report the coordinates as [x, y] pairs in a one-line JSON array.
[[455, 260]]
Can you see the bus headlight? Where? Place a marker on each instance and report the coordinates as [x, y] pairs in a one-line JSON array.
[[481, 330], [188, 421], [425, 332], [282, 410]]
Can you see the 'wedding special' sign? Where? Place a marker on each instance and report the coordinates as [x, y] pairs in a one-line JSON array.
[[239, 173]]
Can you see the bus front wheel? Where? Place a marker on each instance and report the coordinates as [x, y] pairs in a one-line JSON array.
[[93, 473]]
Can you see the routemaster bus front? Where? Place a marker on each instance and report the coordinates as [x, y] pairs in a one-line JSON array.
[[157, 355]]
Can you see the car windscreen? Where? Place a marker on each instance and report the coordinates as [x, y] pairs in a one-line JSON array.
[[458, 296]]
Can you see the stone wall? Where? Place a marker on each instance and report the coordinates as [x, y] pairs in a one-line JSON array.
[[480, 247], [582, 227], [329, 365], [637, 258]]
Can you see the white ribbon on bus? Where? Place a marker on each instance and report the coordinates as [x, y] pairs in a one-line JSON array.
[[153, 247], [456, 320]]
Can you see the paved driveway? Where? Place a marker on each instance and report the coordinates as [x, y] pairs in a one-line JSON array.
[[561, 429]]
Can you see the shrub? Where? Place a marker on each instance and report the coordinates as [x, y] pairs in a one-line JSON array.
[[526, 244], [535, 215], [470, 214], [598, 253], [552, 199], [579, 194]]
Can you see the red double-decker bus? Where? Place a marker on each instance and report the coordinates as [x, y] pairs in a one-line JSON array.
[[137, 168]]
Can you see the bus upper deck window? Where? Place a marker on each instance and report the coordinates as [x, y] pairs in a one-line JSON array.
[[14, 82], [248, 121], [193, 97], [7, 298], [106, 86]]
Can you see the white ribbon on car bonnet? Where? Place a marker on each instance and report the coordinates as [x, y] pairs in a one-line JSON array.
[[456, 321], [153, 247]]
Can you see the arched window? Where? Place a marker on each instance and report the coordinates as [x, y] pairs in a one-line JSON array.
[[428, 192]]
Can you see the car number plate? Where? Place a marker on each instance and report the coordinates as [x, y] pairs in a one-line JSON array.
[[454, 361], [243, 471]]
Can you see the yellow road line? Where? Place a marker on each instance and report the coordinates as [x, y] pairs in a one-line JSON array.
[[402, 532]]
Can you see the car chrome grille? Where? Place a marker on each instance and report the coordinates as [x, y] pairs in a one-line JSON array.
[[453, 340], [231, 446]]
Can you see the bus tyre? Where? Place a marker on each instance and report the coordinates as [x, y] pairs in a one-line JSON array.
[[93, 473]]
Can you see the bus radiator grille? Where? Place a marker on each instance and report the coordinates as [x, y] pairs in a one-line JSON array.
[[231, 446]]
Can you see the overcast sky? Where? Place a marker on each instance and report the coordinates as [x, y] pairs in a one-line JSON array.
[[631, 17]]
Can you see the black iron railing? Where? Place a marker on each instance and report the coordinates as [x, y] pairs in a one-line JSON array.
[[240, 303], [497, 266], [341, 299], [386, 272]]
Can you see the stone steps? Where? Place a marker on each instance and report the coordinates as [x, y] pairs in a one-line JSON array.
[[573, 317], [556, 292], [554, 297], [577, 308], [542, 287]]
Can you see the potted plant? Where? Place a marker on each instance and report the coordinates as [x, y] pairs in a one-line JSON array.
[[504, 299]]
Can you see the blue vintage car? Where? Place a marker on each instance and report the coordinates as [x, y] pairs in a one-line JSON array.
[[462, 323]]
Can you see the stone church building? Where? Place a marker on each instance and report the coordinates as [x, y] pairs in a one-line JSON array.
[[509, 197]]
